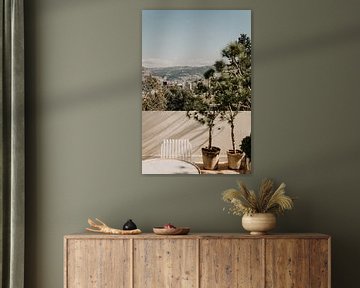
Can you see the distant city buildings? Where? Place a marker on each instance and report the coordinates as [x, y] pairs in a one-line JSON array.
[[184, 81]]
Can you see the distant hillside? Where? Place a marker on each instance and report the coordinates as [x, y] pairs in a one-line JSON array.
[[178, 73]]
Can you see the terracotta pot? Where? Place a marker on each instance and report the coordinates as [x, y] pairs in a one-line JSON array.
[[210, 158], [235, 159], [259, 223]]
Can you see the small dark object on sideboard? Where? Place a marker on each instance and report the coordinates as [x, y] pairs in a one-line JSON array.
[[129, 225]]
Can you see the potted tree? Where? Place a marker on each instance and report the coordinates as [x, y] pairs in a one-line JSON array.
[[205, 111], [230, 99], [232, 89]]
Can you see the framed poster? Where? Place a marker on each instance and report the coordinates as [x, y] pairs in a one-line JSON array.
[[196, 91]]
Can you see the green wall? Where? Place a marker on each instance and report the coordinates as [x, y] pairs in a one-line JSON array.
[[84, 126]]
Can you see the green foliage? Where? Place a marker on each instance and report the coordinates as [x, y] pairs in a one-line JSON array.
[[153, 97], [235, 71], [203, 111], [245, 146], [219, 65], [238, 57], [244, 201], [157, 97], [209, 73], [150, 83], [203, 108], [232, 86], [226, 89], [178, 99]]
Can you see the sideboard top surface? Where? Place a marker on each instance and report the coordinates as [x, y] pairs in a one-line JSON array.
[[87, 235]]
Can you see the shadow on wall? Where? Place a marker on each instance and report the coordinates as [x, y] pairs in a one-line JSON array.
[[93, 95], [67, 4], [309, 44]]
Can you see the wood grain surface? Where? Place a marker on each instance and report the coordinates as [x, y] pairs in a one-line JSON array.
[[197, 261], [89, 235], [98, 264], [165, 263], [231, 263], [287, 263], [319, 263]]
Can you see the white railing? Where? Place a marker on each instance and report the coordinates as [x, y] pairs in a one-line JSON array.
[[176, 149]]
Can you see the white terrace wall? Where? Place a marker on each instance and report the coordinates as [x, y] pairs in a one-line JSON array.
[[159, 125]]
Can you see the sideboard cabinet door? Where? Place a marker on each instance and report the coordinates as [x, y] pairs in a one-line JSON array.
[[165, 263], [297, 263], [231, 263], [98, 263], [287, 263], [320, 263]]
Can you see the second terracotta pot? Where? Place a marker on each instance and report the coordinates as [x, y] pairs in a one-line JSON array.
[[235, 159]]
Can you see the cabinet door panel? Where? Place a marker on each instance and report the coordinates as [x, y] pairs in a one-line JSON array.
[[98, 264], [166, 263], [231, 263], [319, 263], [287, 263]]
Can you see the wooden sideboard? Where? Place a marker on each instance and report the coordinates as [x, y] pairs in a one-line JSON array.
[[197, 260]]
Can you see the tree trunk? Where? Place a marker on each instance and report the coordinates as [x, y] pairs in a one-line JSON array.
[[233, 136], [210, 137], [232, 118]]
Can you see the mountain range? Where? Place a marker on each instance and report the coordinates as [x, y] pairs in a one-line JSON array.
[[178, 73]]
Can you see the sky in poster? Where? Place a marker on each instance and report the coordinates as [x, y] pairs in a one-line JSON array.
[[190, 37]]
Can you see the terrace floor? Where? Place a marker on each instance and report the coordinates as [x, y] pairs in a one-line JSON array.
[[222, 169]]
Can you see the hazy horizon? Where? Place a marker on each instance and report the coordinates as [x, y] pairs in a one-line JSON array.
[[194, 38], [176, 66]]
